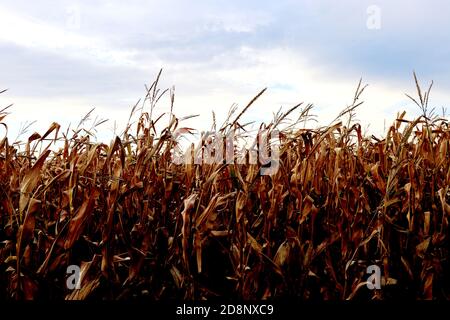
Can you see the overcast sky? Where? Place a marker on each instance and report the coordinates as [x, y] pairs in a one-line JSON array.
[[61, 58]]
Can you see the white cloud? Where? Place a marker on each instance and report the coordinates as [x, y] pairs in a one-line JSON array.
[[236, 22], [216, 54], [33, 34]]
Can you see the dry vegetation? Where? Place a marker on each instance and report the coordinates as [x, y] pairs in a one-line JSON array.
[[143, 227]]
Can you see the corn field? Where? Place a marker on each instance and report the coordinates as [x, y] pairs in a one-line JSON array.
[[143, 227]]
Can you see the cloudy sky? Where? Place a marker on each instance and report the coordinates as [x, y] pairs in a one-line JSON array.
[[61, 58]]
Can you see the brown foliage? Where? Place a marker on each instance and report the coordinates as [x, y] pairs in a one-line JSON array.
[[140, 225]]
